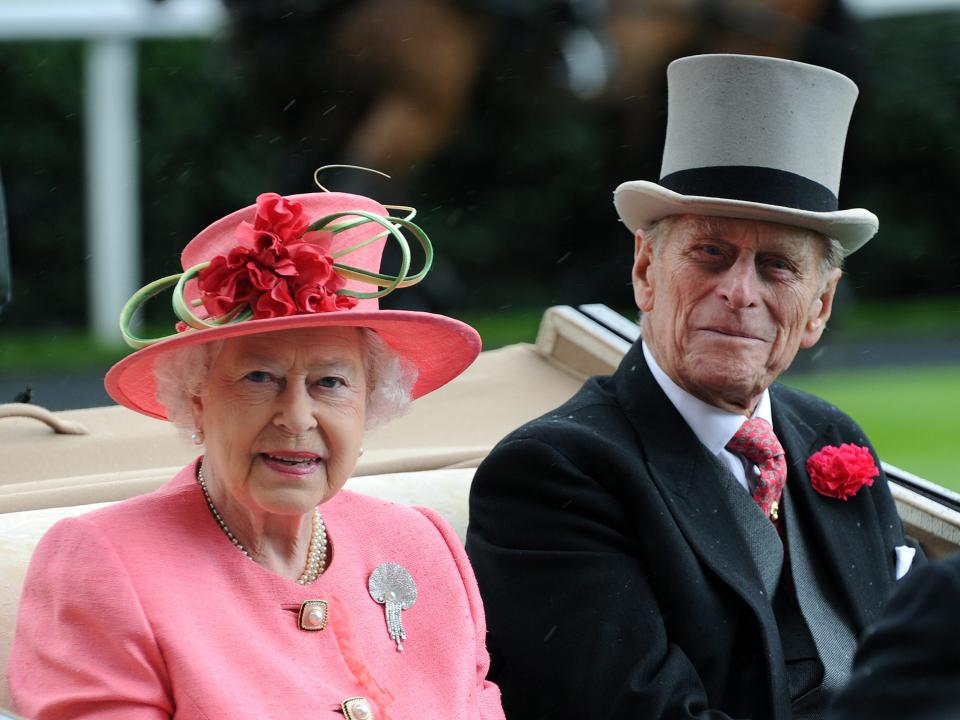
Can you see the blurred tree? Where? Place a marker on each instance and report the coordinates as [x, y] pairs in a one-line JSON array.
[[204, 151], [40, 151], [903, 157], [517, 198]]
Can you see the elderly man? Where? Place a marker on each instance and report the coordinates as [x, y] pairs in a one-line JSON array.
[[686, 538]]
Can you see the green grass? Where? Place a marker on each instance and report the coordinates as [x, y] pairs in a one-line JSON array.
[[912, 415], [55, 349], [504, 327]]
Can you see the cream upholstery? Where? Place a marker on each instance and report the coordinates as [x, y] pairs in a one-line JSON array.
[[501, 390], [19, 533]]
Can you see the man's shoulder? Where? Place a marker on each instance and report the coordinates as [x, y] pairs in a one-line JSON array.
[[800, 399], [596, 433], [594, 405], [815, 417], [814, 409], [585, 454]]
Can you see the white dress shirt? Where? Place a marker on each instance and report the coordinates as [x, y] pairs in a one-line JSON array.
[[713, 426]]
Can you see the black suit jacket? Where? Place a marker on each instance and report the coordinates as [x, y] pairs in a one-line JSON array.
[[909, 663], [615, 579]]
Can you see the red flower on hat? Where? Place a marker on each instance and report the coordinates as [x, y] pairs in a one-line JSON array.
[[276, 215], [840, 472], [276, 271]]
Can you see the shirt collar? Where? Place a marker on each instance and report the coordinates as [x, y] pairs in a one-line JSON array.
[[713, 426]]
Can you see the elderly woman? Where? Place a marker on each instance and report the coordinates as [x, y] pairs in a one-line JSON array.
[[252, 585]]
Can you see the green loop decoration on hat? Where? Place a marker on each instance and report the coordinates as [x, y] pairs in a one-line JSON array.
[[388, 283], [285, 241]]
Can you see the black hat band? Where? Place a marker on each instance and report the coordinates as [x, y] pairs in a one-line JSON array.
[[753, 184]]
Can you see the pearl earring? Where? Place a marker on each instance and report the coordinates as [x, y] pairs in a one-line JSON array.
[[196, 437], [360, 454]]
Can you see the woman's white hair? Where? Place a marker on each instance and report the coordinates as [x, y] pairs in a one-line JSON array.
[[181, 375], [390, 380]]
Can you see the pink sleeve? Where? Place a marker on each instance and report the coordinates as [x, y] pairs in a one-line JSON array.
[[83, 648], [489, 706]]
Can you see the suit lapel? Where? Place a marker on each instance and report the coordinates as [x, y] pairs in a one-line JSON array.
[[845, 534], [686, 474]]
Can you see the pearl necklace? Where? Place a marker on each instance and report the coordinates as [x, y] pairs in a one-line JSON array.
[[316, 554]]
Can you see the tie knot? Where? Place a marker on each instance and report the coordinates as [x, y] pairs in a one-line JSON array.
[[756, 441]]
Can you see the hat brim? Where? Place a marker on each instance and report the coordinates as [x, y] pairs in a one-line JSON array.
[[438, 346], [641, 203]]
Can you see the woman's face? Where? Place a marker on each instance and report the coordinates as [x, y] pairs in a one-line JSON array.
[[283, 416]]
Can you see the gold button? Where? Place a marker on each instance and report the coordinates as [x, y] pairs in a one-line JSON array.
[[313, 615], [357, 708]]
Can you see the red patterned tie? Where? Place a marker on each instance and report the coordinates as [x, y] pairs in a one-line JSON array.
[[756, 442]]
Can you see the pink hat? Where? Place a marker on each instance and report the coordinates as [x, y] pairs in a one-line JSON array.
[[276, 266]]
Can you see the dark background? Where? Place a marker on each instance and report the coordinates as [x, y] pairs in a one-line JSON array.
[[518, 202]]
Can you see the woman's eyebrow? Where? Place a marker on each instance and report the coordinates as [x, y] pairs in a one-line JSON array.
[[256, 358], [336, 363], [311, 365]]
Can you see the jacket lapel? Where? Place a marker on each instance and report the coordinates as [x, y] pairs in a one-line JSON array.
[[845, 535], [686, 475]]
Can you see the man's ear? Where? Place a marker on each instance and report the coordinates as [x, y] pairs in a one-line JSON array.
[[820, 310], [642, 278]]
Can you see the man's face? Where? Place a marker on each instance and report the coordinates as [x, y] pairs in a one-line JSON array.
[[727, 303]]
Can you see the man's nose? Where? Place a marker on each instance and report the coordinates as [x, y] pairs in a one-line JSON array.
[[295, 409], [740, 284]]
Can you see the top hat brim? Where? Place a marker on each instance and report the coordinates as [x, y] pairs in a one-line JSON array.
[[641, 203], [439, 347]]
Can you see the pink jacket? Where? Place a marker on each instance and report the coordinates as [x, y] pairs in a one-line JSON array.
[[144, 610]]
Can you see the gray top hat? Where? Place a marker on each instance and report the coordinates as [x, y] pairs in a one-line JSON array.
[[756, 138]]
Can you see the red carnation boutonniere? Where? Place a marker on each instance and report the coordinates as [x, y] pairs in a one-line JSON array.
[[840, 472]]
